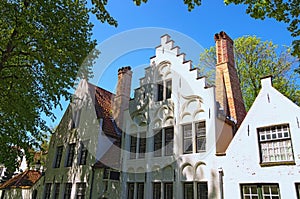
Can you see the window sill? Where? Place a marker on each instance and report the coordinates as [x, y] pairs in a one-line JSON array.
[[283, 163]]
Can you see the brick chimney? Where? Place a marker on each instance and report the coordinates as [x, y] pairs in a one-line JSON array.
[[121, 100], [228, 90]]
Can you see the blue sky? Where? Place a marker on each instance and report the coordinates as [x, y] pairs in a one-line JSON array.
[[172, 17]]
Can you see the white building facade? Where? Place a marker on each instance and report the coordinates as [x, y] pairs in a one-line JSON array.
[[173, 130], [263, 159]]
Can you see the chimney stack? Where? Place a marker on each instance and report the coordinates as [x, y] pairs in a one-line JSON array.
[[228, 90], [121, 100]]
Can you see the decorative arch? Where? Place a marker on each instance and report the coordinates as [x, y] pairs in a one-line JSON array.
[[200, 171], [187, 172]]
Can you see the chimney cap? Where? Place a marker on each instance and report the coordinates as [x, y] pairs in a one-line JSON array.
[[222, 35], [124, 69]]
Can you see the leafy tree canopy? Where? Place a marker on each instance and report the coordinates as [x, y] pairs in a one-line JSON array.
[[42, 50], [255, 59]]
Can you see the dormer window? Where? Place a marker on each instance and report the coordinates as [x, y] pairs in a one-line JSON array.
[[164, 90]]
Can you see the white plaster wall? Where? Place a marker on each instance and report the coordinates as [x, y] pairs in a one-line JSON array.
[[241, 163]]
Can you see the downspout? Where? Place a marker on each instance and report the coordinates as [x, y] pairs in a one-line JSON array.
[[221, 174], [92, 181]]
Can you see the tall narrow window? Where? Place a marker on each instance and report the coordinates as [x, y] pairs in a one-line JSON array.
[[157, 143], [160, 92], [200, 136], [57, 160], [56, 190], [71, 153], [168, 89], [140, 190], [80, 190], [68, 190], [83, 153], [275, 144], [130, 194], [47, 191], [202, 190], [188, 190], [187, 138], [168, 190], [133, 146], [142, 145], [156, 190], [169, 141]]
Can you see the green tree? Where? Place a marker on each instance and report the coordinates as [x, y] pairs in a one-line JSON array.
[[255, 59], [43, 48]]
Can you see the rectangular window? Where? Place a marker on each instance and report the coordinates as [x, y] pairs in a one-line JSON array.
[[157, 143], [260, 191], [56, 190], [188, 190], [200, 136], [168, 89], [68, 190], [114, 175], [202, 190], [47, 191], [298, 190], [275, 144], [142, 145], [168, 190], [71, 153], [130, 191], [169, 141], [156, 190], [83, 153], [187, 138], [160, 91], [140, 190], [80, 190], [59, 151], [133, 146]]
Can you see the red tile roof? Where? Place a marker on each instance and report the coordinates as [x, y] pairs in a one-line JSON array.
[[22, 180], [103, 107]]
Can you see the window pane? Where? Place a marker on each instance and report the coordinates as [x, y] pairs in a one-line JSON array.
[[157, 143], [68, 189], [133, 140], [168, 190], [56, 190], [169, 136], [275, 143], [83, 153], [160, 92], [47, 191], [142, 146], [130, 191], [168, 89], [188, 191], [140, 191], [202, 190], [157, 190], [59, 151], [114, 175], [187, 138], [201, 136], [71, 153]]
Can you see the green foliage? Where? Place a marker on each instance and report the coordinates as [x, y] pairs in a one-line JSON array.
[[255, 59], [43, 48], [285, 11]]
